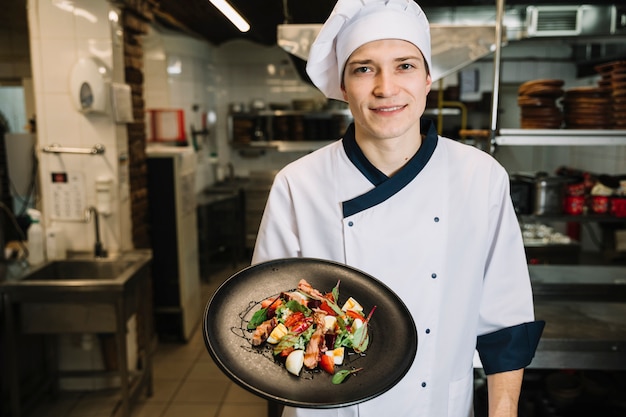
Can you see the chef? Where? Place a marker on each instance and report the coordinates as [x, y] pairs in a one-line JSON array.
[[428, 216]]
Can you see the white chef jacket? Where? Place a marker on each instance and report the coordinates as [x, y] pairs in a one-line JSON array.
[[442, 233]]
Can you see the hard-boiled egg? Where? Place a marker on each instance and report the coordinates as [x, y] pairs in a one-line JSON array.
[[352, 304], [337, 355], [329, 323], [279, 331], [294, 361], [356, 324]]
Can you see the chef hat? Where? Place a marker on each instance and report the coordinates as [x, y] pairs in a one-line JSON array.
[[354, 23]]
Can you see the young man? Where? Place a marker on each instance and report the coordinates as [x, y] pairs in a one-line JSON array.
[[428, 216]]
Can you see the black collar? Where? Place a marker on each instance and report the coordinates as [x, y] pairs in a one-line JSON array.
[[386, 186]]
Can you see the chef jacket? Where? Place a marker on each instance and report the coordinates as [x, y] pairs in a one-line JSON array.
[[442, 234]]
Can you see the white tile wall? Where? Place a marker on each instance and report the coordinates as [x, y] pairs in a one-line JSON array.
[[213, 77], [61, 33]]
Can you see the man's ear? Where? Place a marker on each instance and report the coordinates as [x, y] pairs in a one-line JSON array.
[[343, 91], [429, 83]]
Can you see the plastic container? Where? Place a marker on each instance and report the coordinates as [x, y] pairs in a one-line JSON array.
[[55, 244], [618, 206], [35, 236]]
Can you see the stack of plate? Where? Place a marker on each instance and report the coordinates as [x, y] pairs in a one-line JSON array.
[[588, 108], [537, 100], [614, 79]]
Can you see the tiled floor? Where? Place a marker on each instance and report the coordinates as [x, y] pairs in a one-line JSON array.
[[186, 384]]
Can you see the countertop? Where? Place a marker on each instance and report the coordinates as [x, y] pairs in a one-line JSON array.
[[585, 312], [578, 282]]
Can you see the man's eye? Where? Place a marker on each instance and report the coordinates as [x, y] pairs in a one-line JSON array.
[[406, 66], [361, 69]]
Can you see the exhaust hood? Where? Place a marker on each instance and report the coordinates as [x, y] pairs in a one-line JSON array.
[[463, 35], [583, 20], [453, 46]]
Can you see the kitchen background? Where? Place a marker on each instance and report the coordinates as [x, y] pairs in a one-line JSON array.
[[48, 46], [182, 71]]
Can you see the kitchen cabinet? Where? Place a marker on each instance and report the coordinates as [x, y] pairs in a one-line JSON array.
[[221, 233], [256, 194], [173, 223]]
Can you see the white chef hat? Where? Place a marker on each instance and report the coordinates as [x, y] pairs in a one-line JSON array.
[[354, 23]]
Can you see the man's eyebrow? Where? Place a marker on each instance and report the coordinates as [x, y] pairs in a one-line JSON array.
[[407, 58], [364, 61]]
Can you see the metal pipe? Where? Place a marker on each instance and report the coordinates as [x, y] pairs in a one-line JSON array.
[[99, 250], [97, 149], [496, 73]]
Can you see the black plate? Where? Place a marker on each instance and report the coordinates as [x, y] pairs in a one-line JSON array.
[[392, 347]]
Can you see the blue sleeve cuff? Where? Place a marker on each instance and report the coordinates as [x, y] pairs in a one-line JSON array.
[[509, 348]]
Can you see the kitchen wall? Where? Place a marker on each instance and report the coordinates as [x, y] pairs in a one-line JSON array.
[[61, 34], [240, 71], [182, 72]]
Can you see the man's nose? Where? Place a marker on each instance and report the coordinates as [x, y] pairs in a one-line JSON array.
[[386, 84]]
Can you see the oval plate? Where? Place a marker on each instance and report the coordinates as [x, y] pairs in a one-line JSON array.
[[392, 347]]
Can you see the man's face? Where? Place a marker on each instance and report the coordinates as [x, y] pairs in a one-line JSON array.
[[385, 83]]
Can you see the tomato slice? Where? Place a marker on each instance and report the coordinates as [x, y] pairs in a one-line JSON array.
[[354, 315], [324, 306], [293, 319], [327, 363]]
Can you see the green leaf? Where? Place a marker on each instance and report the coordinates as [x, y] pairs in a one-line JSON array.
[[257, 318], [340, 376], [360, 340], [335, 292], [294, 306]]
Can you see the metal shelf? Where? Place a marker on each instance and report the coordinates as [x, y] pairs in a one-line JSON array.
[[583, 218], [283, 145], [305, 113], [446, 111], [560, 137]]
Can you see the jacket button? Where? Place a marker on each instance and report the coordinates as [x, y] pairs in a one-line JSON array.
[[433, 275], [436, 219], [350, 224]]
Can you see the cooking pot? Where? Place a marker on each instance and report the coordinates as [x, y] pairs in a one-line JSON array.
[[549, 194]]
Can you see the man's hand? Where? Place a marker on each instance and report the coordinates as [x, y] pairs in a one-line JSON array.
[[503, 391]]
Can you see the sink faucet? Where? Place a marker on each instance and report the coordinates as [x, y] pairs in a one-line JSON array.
[[99, 251]]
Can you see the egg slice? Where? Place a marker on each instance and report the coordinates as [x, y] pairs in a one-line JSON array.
[[294, 361], [329, 323], [336, 354], [352, 304], [279, 331]]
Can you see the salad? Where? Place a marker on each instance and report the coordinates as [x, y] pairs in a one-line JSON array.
[[308, 329]]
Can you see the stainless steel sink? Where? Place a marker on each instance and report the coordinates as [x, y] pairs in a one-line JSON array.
[[81, 273], [96, 269], [82, 294]]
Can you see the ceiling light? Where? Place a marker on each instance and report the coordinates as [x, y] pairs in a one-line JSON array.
[[232, 15]]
